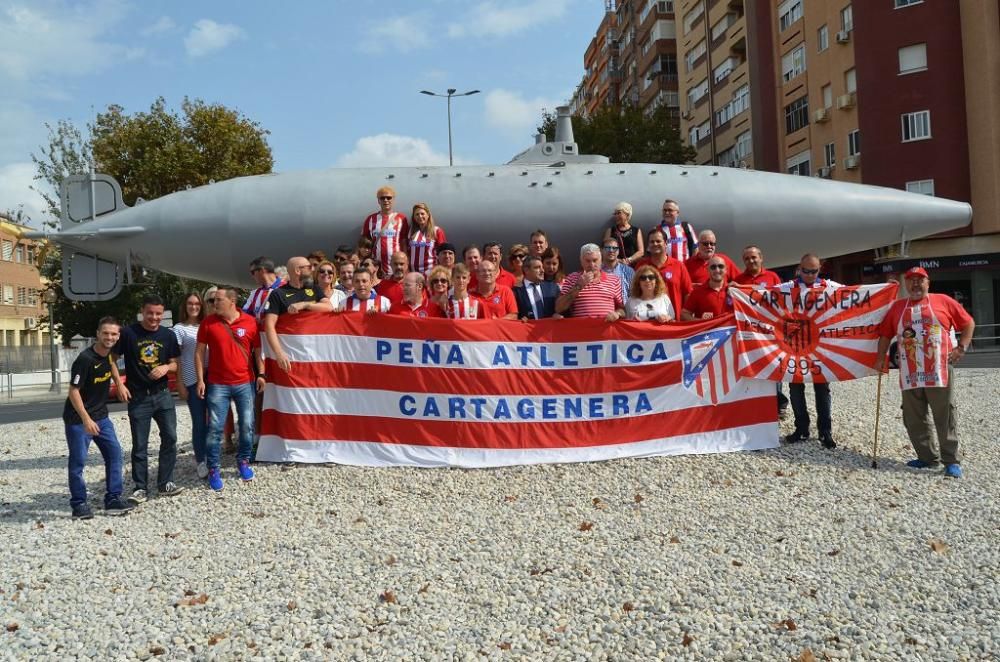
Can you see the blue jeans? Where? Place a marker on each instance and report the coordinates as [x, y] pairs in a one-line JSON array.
[[199, 423], [218, 397], [142, 409], [79, 443]]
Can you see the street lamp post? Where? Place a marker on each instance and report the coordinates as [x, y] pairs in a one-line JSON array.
[[448, 96], [50, 299]]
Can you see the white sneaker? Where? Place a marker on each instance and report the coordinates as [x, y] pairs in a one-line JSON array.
[[202, 470]]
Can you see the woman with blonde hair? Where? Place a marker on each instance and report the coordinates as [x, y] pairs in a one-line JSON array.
[[438, 283], [515, 262], [326, 281], [629, 238], [648, 300], [424, 238]]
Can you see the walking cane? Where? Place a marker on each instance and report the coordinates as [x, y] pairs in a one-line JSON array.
[[878, 411]]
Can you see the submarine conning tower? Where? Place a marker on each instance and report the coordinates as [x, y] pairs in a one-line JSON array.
[[559, 152]]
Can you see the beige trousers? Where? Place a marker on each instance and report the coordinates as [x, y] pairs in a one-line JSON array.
[[918, 424]]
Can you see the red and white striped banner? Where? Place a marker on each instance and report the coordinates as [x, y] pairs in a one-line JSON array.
[[798, 334], [387, 390]]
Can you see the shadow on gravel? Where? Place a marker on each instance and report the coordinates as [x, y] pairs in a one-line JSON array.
[[42, 507], [811, 453], [33, 464]]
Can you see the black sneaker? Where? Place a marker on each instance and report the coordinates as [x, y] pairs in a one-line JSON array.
[[170, 489], [796, 437], [83, 512], [138, 496], [118, 506], [827, 441]]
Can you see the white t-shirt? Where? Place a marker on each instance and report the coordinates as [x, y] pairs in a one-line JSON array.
[[643, 310]]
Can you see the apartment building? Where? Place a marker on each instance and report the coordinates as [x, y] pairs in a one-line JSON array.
[[632, 59], [21, 306]]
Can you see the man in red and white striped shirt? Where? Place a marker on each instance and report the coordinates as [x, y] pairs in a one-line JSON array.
[[591, 292], [262, 271], [678, 234], [365, 299], [386, 229]]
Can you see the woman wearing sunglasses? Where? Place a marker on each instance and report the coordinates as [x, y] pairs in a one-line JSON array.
[[326, 280], [648, 300], [438, 284], [515, 262]]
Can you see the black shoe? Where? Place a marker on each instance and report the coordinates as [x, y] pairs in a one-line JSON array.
[[118, 506], [796, 437], [83, 512], [827, 441]]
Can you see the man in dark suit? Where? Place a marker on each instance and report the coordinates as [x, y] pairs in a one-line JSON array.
[[536, 299]]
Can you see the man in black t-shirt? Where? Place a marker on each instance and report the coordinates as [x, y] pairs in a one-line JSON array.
[[150, 352], [296, 295], [86, 417]]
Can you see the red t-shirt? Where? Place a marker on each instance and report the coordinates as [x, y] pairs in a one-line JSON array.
[[391, 290], [598, 299], [426, 309], [505, 278], [948, 312], [675, 276], [765, 278], [499, 303], [703, 299], [697, 268], [229, 365]]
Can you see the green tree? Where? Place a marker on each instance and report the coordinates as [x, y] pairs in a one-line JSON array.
[[150, 154], [627, 135]]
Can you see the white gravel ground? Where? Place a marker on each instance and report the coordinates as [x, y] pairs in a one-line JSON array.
[[759, 556]]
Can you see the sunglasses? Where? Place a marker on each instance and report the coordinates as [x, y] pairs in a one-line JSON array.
[[435, 281], [707, 243], [610, 249], [647, 277], [367, 265], [326, 272], [209, 300], [717, 267], [518, 256], [385, 197], [809, 272]]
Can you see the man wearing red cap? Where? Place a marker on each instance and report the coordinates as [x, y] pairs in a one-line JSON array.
[[923, 323]]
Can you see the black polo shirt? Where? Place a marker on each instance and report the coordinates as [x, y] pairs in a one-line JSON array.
[[280, 299], [91, 374]]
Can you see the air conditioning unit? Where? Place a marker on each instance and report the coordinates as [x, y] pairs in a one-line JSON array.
[[843, 36], [824, 172], [821, 115], [852, 162], [846, 100], [30, 322]]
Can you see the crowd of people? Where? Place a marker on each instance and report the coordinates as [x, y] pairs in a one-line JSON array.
[[406, 266]]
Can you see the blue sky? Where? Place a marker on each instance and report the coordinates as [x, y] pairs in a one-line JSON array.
[[337, 83]]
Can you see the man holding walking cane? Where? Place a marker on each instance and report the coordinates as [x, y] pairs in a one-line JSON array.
[[923, 322]]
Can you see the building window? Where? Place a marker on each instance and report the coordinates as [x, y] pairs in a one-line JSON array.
[[19, 253], [692, 55], [847, 18], [700, 132], [33, 297], [31, 255], [799, 164], [793, 63], [823, 38], [720, 72], [8, 294], [739, 104], [789, 11], [696, 93], [797, 114], [851, 81], [907, 3], [22, 296], [830, 154], [8, 249], [693, 15], [854, 142], [827, 92], [916, 126], [719, 29], [922, 186], [912, 58]]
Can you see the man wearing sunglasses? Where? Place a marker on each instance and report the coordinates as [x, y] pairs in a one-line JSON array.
[[611, 263], [808, 278], [386, 229], [697, 264], [710, 299]]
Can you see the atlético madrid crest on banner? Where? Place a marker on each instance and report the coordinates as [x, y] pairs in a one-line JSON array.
[[794, 333], [710, 368]]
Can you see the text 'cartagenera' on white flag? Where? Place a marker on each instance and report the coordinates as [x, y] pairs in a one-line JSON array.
[[793, 333]]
